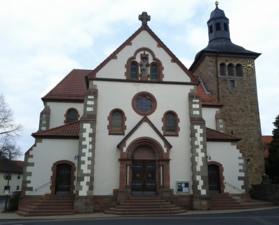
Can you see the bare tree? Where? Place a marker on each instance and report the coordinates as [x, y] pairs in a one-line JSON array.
[[9, 131]]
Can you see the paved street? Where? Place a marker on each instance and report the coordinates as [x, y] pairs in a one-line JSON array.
[[266, 217]]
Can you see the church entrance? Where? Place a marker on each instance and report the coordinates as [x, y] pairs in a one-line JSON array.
[[144, 177], [213, 179], [63, 179], [144, 168]]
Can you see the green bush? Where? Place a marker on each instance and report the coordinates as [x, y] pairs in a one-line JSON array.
[[13, 202]]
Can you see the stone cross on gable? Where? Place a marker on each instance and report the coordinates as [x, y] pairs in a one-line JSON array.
[[144, 18]]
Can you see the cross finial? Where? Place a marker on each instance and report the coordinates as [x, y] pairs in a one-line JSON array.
[[144, 18], [216, 3]]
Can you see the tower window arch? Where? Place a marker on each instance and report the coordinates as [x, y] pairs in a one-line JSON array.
[[222, 69], [239, 70], [117, 120], [230, 70], [71, 116], [170, 124]]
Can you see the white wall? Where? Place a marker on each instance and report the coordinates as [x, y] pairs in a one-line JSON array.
[[227, 154], [113, 95], [115, 68], [58, 111], [45, 154], [13, 183], [208, 115]]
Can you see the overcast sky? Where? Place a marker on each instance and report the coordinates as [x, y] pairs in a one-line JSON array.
[[42, 41]]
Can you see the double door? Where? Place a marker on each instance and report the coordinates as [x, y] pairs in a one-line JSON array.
[[63, 179], [144, 177]]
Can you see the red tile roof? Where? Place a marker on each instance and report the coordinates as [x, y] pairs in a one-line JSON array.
[[266, 140], [5, 165], [19, 163], [72, 87], [70, 130], [214, 135], [207, 99]]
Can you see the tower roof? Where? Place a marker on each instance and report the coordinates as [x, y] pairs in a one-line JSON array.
[[217, 13]]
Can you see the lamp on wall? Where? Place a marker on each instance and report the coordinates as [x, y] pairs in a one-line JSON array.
[[76, 157], [208, 157]]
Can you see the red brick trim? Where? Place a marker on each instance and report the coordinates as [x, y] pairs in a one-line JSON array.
[[123, 128], [221, 174], [53, 177], [128, 69], [177, 120], [67, 113], [148, 96]]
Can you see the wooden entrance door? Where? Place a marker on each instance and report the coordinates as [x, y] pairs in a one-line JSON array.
[[144, 177], [63, 179], [213, 179]]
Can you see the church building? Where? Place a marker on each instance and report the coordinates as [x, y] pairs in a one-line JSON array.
[[141, 125]]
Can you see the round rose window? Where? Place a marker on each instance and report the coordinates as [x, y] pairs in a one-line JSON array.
[[144, 103]]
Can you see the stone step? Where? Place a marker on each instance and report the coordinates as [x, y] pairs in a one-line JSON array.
[[145, 201], [144, 207], [42, 214], [145, 212]]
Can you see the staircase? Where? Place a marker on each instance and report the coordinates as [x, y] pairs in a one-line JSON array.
[[145, 205], [49, 205], [227, 202]]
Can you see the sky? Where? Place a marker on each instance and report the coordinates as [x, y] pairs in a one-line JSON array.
[[42, 41]]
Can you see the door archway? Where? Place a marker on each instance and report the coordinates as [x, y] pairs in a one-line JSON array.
[[215, 178]]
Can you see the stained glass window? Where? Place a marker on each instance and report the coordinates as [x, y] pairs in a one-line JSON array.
[[154, 72], [72, 116], [116, 121], [144, 104], [133, 70], [170, 123]]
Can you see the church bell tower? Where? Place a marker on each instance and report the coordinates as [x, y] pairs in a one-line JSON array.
[[228, 73]]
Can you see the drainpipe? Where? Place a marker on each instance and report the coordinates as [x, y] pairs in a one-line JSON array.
[[217, 76]]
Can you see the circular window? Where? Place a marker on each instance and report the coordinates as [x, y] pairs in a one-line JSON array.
[[144, 103]]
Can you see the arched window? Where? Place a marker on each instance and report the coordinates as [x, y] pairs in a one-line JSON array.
[[116, 120], [230, 70], [239, 70], [170, 124], [71, 116], [222, 69], [154, 72], [133, 71]]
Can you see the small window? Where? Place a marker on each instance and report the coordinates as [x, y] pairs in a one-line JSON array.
[[230, 70], [210, 29], [17, 188], [18, 177], [72, 116], [116, 120], [225, 26], [222, 69], [218, 26], [154, 72], [239, 70], [133, 73], [170, 124], [232, 84]]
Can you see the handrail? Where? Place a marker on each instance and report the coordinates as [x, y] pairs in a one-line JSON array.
[[38, 187], [234, 187]]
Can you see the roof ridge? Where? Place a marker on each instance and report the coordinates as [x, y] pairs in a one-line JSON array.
[[160, 43]]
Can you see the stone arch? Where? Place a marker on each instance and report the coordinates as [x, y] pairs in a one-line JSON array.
[[221, 174], [53, 177], [146, 141]]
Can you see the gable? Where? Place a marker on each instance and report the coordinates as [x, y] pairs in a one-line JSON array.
[[143, 40]]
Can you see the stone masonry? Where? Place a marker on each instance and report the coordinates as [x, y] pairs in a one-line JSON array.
[[84, 200], [240, 110]]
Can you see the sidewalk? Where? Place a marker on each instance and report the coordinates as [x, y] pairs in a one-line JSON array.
[[5, 216]]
